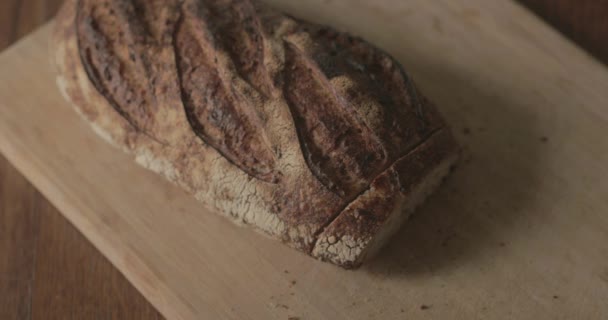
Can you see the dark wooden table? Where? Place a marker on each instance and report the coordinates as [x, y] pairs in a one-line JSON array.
[[48, 270], [585, 21]]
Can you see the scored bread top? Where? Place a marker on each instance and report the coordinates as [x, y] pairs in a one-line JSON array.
[[277, 122]]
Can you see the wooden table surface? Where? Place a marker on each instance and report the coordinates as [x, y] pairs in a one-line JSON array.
[[48, 270], [585, 21]]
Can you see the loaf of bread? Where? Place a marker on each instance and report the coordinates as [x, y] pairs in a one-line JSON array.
[[314, 137]]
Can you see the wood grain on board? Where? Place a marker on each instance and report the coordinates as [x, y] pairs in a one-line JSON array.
[[48, 270], [518, 231]]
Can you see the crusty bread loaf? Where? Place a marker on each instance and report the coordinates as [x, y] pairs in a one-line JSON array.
[[310, 135]]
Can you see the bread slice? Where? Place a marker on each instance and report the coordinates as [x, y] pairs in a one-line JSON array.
[[310, 135]]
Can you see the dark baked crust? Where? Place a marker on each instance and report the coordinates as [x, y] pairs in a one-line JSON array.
[[278, 123]]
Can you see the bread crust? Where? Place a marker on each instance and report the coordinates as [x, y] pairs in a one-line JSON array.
[[310, 135]]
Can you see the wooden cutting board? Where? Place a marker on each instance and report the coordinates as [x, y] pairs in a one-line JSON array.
[[519, 231]]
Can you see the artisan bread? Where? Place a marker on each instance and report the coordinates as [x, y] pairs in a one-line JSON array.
[[312, 136]]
